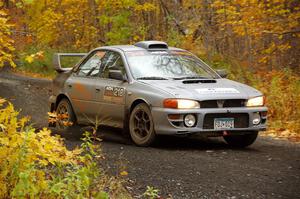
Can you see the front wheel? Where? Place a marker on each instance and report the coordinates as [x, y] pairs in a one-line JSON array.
[[65, 114], [241, 141], [141, 127]]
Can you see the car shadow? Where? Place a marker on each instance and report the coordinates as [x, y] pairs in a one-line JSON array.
[[189, 142], [116, 135], [193, 142], [107, 134], [196, 142]]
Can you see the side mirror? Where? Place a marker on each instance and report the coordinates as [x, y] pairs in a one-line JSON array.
[[223, 73], [56, 63], [116, 74]]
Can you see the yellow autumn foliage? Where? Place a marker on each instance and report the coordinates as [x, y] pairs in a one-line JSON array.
[[6, 43], [86, 24], [257, 20], [35, 164], [282, 91], [23, 151], [36, 56]]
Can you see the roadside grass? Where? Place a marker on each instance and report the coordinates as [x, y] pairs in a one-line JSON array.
[[39, 62], [35, 62], [28, 73], [35, 164]]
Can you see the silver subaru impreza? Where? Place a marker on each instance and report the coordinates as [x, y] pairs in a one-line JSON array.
[[150, 89]]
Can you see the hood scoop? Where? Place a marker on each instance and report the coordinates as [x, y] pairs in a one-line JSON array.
[[196, 81]]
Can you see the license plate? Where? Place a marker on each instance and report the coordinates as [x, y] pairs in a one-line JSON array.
[[224, 123]]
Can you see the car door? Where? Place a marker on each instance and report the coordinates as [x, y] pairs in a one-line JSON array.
[[81, 87], [111, 99]]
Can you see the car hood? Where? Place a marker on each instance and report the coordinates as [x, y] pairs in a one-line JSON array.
[[205, 89]]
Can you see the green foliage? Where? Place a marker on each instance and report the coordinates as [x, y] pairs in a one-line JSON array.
[[36, 60], [40, 61], [121, 30], [173, 38], [151, 193]]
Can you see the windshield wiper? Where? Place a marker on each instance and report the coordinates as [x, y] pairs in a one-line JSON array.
[[190, 77], [152, 78]]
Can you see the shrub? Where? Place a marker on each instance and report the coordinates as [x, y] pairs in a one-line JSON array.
[[6, 43], [282, 91], [38, 165], [39, 61], [33, 60]]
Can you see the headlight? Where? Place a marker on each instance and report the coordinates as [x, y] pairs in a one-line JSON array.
[[181, 104], [256, 101]]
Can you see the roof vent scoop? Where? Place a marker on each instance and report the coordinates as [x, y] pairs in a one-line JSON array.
[[154, 45]]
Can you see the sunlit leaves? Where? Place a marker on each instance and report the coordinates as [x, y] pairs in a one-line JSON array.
[[23, 151], [6, 43], [62, 119], [36, 164], [88, 23], [262, 23], [123, 173]]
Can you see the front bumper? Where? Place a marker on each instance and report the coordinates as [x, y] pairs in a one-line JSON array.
[[163, 125]]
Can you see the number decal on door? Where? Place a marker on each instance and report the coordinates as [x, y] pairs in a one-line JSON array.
[[114, 94]]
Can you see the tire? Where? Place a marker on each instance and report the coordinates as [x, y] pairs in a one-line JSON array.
[[65, 107], [141, 126], [241, 141]]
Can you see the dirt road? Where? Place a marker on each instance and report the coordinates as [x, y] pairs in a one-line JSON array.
[[181, 167]]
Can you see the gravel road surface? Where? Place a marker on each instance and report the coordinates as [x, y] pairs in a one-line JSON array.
[[178, 167]]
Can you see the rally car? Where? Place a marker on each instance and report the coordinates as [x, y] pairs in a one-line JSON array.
[[150, 89]]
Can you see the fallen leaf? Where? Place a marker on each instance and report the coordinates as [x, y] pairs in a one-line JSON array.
[[124, 173]]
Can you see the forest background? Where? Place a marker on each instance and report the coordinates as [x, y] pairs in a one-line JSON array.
[[257, 41]]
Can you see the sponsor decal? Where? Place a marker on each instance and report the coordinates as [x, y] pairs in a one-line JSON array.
[[217, 90], [114, 94]]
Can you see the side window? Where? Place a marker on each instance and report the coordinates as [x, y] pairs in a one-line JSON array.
[[92, 67], [112, 61]]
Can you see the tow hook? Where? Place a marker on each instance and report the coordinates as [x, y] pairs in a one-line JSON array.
[[225, 133]]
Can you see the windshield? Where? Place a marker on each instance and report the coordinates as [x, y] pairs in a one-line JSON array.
[[165, 65]]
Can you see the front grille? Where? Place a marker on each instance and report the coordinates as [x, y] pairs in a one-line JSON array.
[[223, 103], [241, 120]]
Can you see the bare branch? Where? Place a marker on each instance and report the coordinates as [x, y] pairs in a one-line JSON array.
[[282, 33]]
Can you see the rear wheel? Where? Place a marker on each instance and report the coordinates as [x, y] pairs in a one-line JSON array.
[[65, 115], [241, 141], [141, 127]]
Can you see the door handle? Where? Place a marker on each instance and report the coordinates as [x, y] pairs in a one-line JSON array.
[[98, 89]]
